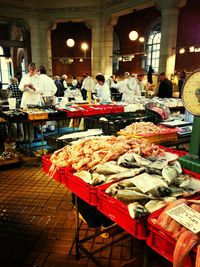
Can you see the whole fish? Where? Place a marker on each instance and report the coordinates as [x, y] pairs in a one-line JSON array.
[[126, 174], [137, 211], [129, 196]]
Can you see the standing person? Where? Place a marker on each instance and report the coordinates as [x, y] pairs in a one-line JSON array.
[[165, 88], [64, 81], [83, 90], [30, 86], [182, 77], [59, 85], [16, 93], [141, 83], [102, 88], [128, 87], [47, 85], [74, 83]]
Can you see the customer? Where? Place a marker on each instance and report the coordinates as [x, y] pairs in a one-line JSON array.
[[103, 91], [83, 85], [165, 88], [59, 85], [30, 86], [182, 77], [64, 81], [141, 83], [47, 85], [128, 87], [16, 93]]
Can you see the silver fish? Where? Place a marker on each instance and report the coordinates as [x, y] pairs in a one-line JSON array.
[[169, 173], [153, 205], [109, 168], [85, 175], [98, 179], [141, 161], [128, 157], [129, 196], [126, 174], [137, 211], [177, 166]]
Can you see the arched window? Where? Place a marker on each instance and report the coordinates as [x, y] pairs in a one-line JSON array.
[[153, 48], [5, 68]]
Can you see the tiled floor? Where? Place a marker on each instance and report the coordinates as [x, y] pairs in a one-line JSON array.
[[37, 225]]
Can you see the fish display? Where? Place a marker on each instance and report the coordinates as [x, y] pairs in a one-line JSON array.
[[186, 239]]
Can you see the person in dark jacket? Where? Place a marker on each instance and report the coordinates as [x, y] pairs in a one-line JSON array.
[[165, 88], [182, 77], [60, 87]]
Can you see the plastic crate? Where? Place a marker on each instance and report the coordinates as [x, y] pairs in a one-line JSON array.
[[118, 212], [85, 191], [59, 175], [117, 122], [162, 242], [180, 153]]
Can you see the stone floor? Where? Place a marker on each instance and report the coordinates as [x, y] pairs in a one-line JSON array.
[[37, 226]]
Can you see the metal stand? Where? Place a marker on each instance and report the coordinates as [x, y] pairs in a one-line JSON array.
[[79, 242]]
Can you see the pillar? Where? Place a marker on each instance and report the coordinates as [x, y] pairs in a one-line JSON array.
[[102, 45], [169, 25], [41, 43]]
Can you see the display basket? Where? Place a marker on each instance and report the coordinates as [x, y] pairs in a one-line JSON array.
[[162, 242], [116, 122], [59, 175], [167, 134], [118, 212], [79, 187]]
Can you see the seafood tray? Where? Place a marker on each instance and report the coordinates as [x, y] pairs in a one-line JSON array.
[[85, 191], [59, 175], [168, 134], [118, 212], [115, 123], [161, 241]]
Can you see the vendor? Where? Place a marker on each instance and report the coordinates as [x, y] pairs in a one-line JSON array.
[[30, 86], [102, 89], [128, 87]]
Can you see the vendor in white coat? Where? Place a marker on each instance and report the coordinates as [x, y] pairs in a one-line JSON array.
[[128, 87], [102, 89], [30, 86]]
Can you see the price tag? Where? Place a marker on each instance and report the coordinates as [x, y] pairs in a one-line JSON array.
[[186, 216], [145, 182]]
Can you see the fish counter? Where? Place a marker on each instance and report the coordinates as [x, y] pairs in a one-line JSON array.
[[128, 180]]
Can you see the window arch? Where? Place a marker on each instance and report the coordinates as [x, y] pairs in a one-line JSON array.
[[5, 68], [153, 48]]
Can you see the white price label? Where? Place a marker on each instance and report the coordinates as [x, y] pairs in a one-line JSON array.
[[145, 182], [186, 216]]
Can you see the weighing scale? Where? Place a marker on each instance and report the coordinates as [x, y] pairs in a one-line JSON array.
[[191, 101]]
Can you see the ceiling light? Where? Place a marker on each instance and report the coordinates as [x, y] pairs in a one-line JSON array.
[[133, 35], [70, 42], [181, 50], [141, 39]]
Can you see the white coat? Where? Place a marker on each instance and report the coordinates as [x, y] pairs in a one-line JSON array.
[[30, 97]]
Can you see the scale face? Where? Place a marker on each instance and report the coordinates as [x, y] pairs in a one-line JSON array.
[[191, 101], [191, 93]]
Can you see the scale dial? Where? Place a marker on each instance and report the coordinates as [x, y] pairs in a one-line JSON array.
[[191, 93]]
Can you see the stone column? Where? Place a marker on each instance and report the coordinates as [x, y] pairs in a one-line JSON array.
[[102, 45], [169, 24], [41, 43]]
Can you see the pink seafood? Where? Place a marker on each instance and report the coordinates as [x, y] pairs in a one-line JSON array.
[[164, 219], [185, 243]]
